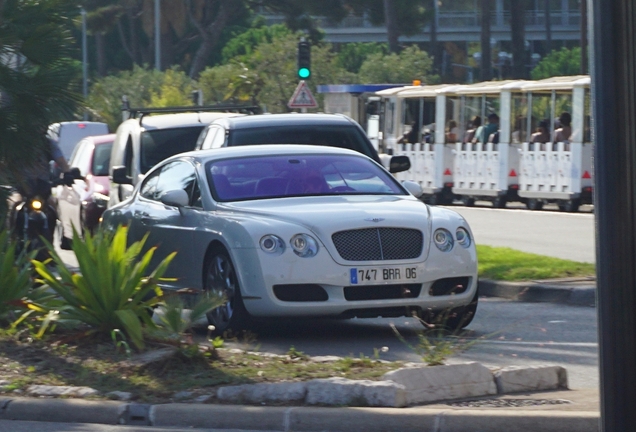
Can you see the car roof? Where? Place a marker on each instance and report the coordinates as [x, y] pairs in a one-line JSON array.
[[267, 150], [170, 121], [101, 139], [291, 119]]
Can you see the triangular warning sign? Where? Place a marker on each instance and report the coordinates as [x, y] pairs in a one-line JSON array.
[[447, 172], [586, 175], [302, 97], [513, 173]]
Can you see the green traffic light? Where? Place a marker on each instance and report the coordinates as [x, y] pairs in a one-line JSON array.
[[304, 72]]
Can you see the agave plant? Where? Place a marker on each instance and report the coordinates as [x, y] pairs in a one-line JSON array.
[[114, 288], [175, 318], [16, 279]]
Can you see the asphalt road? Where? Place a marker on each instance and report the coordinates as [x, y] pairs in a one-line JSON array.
[[28, 426], [548, 232], [506, 333]]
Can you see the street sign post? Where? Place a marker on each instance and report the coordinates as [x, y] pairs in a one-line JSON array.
[[302, 97]]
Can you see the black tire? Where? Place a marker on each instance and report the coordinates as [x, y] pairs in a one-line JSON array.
[[220, 280], [468, 201], [570, 206], [534, 204], [454, 319], [500, 202]]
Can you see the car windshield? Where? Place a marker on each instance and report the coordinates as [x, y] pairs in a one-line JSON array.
[[101, 159], [298, 175], [348, 137], [160, 144]]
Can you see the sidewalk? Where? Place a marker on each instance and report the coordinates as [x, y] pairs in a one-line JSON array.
[[557, 411]]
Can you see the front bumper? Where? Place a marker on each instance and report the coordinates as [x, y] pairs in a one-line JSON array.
[[292, 286]]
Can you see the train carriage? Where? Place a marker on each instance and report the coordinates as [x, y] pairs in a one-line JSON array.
[[558, 170], [513, 164]]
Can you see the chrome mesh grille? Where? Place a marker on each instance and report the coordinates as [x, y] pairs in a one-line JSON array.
[[378, 244]]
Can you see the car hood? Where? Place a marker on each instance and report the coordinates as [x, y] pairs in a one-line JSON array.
[[325, 215]]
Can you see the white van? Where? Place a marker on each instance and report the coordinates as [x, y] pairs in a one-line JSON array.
[[142, 142], [68, 134]]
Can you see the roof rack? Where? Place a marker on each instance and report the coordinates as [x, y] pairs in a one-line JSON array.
[[141, 112]]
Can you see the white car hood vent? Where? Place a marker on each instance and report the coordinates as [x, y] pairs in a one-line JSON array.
[[379, 244]]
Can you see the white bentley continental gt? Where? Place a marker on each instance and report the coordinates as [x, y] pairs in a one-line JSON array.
[[301, 231]]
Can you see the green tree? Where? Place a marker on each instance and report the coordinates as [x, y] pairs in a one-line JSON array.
[[561, 62], [268, 76], [401, 17], [244, 43], [217, 82], [352, 55], [412, 63], [143, 86], [39, 82]]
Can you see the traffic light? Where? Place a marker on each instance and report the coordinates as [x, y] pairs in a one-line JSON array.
[[304, 60]]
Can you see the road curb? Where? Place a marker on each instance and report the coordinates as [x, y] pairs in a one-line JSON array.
[[300, 419], [572, 292]]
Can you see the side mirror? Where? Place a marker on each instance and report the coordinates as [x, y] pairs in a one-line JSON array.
[[399, 164], [414, 188], [119, 175], [176, 198]]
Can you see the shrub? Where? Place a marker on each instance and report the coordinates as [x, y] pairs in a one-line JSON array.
[[16, 281], [114, 288]]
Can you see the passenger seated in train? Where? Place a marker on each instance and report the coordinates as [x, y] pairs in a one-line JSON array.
[[542, 135], [451, 132], [490, 128], [564, 132], [519, 130], [471, 129], [412, 136], [429, 133]]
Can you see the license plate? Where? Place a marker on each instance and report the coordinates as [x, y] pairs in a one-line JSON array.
[[374, 275]]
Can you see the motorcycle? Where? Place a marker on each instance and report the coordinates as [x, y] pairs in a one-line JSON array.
[[34, 217]]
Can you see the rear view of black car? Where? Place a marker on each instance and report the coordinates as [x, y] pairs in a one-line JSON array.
[[315, 129]]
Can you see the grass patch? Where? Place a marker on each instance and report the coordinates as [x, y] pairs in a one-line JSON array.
[[100, 365], [499, 263]]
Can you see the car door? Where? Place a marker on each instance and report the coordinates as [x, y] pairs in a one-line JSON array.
[[170, 228], [138, 218]]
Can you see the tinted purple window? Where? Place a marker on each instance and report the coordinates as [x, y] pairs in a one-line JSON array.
[[298, 175]]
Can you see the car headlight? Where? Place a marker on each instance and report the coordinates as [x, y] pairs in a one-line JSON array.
[[443, 239], [272, 244], [303, 245], [463, 237]]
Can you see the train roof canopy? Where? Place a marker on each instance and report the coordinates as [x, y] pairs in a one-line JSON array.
[[424, 91], [557, 83]]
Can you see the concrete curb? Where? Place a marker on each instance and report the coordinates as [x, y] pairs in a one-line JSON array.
[[575, 292], [299, 419]]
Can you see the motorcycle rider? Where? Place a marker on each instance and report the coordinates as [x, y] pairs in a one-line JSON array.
[[36, 180]]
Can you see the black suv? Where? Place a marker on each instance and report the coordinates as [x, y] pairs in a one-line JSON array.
[[332, 130]]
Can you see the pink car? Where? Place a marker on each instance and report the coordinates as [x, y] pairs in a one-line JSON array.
[[82, 204]]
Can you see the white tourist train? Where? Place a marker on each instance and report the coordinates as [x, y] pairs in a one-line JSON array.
[[533, 144]]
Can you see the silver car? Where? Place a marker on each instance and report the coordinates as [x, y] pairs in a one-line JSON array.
[[291, 231]]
